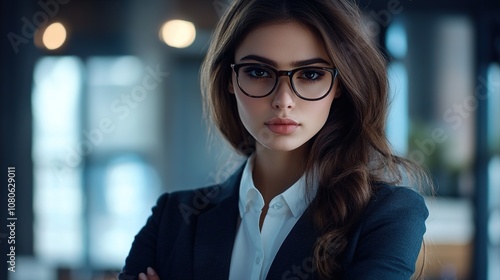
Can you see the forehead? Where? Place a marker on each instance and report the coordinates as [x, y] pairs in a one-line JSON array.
[[283, 43]]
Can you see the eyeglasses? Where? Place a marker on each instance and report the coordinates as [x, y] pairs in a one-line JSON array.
[[309, 83]]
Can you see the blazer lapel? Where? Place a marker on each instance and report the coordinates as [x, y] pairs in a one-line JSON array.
[[216, 231], [294, 258]]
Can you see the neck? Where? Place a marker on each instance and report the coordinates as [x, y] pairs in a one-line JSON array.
[[275, 171]]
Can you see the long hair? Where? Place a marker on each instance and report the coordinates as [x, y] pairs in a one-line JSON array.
[[350, 154]]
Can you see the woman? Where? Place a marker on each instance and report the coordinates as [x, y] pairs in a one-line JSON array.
[[300, 89]]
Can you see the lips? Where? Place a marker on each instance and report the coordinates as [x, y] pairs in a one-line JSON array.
[[282, 125]]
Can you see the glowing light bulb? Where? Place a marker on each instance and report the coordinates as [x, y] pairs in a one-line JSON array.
[[54, 36], [178, 33]]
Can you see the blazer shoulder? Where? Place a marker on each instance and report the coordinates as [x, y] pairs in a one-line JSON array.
[[388, 198], [387, 240]]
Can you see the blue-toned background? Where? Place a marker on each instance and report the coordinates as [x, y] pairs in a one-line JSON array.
[[101, 112]]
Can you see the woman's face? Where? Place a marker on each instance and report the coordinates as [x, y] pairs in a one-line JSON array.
[[282, 121]]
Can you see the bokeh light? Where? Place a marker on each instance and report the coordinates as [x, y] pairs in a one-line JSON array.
[[54, 36], [178, 33]]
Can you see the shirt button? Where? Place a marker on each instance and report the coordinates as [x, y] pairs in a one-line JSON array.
[[257, 260], [277, 206]]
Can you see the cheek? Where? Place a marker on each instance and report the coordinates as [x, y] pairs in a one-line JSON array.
[[322, 110], [249, 109]]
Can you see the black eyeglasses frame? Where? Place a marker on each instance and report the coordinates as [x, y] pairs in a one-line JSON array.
[[289, 73]]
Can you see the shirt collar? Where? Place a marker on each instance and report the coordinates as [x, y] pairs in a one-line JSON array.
[[249, 195], [294, 197]]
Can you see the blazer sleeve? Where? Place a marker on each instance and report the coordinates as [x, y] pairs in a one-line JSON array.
[[390, 237], [143, 251]]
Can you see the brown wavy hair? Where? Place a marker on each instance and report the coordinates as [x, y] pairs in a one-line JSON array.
[[350, 154]]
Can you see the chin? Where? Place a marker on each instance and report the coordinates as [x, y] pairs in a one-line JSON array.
[[282, 146]]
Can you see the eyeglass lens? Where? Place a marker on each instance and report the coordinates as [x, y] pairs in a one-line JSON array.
[[310, 82]]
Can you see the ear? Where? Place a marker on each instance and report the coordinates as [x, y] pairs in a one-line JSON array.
[[230, 87], [338, 93]]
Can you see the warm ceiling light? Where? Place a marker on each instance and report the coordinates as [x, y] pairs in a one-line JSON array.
[[178, 33], [54, 36]]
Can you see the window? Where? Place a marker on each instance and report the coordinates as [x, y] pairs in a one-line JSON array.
[[58, 194], [94, 183]]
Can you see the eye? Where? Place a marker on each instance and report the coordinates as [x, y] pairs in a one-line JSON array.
[[311, 74], [256, 72]]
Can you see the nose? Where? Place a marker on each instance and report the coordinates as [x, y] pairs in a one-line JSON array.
[[284, 97]]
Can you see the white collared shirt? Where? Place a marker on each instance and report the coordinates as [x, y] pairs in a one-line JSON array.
[[254, 250]]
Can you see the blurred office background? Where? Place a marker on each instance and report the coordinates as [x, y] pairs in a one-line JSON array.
[[101, 112]]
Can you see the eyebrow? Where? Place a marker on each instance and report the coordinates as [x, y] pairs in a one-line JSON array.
[[294, 63]]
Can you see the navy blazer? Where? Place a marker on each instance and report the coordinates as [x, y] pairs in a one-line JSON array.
[[190, 235]]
